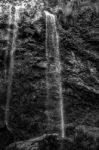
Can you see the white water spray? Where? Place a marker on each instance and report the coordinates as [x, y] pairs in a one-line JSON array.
[[53, 73]]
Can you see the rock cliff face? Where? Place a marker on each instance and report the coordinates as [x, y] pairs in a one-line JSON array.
[[80, 65], [81, 141], [79, 55]]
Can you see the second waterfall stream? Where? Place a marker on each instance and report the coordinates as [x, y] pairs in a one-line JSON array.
[[53, 77], [14, 16]]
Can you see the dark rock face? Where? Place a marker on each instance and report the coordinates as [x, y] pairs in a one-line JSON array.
[[79, 44], [86, 137], [47, 142], [6, 137]]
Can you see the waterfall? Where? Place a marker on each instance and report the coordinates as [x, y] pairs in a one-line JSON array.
[[54, 103], [13, 18], [8, 41]]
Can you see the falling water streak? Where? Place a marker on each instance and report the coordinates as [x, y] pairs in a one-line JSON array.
[[55, 40], [8, 38], [47, 56], [58, 69], [61, 95], [47, 84], [11, 67]]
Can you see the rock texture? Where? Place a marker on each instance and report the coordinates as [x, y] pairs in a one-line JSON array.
[[79, 54], [82, 141]]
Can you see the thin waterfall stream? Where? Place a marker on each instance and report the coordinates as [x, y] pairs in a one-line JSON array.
[[8, 41], [53, 75], [14, 17]]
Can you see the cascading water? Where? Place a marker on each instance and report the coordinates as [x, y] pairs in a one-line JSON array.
[[13, 18], [8, 41], [53, 76]]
